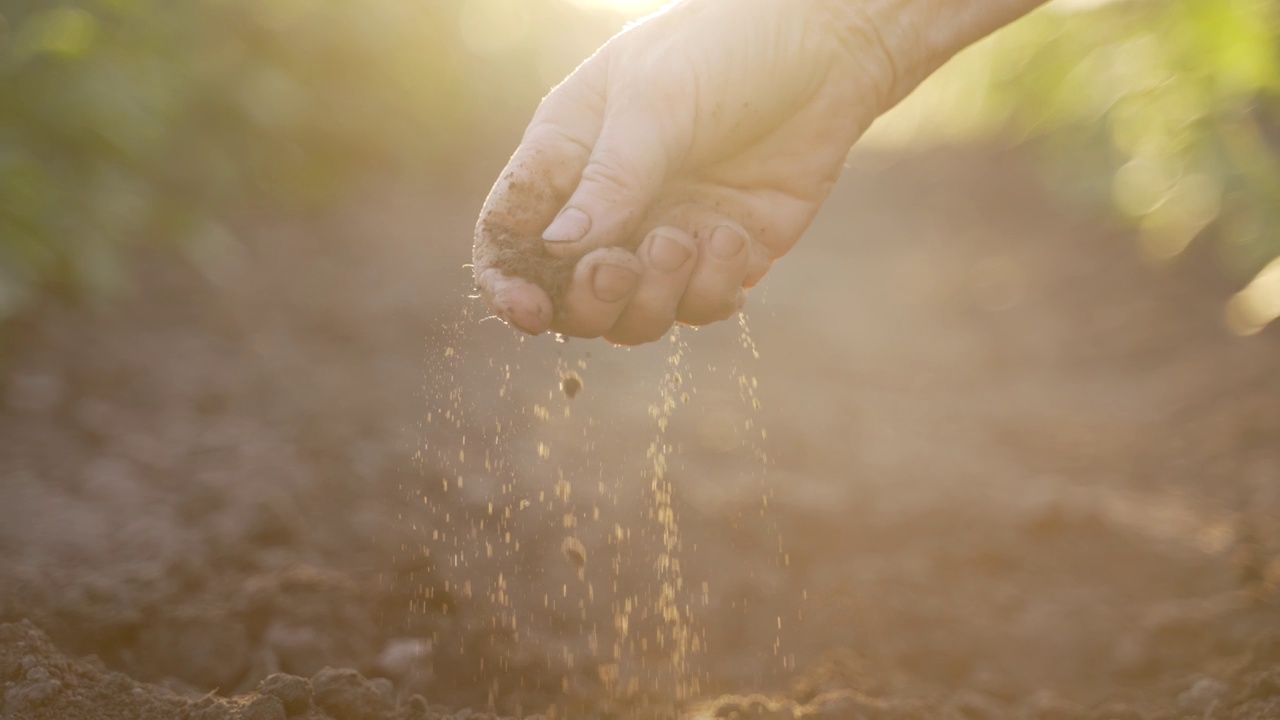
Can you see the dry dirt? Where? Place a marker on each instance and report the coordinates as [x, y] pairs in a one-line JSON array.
[[1000, 468]]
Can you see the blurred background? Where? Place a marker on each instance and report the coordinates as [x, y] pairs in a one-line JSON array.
[[999, 436], [133, 122]]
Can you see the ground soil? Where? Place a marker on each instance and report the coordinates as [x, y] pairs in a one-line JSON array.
[[989, 463]]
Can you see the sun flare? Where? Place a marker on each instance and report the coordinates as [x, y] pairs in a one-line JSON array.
[[625, 7]]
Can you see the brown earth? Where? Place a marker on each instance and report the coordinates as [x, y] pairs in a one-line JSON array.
[[999, 468]]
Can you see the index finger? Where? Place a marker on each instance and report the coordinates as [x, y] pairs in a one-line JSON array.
[[517, 278]]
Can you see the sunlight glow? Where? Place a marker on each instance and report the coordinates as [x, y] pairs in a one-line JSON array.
[[490, 27], [634, 8]]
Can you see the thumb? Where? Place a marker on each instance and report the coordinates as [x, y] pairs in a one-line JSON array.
[[626, 169]]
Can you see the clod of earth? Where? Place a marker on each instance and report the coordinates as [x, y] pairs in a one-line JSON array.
[[571, 383], [574, 550], [525, 258]]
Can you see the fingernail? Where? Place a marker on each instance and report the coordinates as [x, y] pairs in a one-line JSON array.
[[612, 282], [667, 255], [571, 225], [726, 242]]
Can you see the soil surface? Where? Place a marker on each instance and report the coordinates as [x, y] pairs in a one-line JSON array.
[[973, 459]]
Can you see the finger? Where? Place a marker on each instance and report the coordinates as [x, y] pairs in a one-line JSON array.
[[532, 187], [604, 281], [668, 256], [714, 291], [518, 302], [544, 169], [642, 133]]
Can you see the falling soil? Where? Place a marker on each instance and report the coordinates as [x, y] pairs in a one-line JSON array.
[[571, 384], [216, 496], [574, 552]]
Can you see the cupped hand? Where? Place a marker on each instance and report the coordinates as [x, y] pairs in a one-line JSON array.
[[668, 172]]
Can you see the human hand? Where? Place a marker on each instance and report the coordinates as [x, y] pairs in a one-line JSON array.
[[670, 170]]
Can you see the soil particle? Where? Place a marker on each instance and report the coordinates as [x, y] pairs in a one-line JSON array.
[[42, 684], [1202, 696], [978, 706], [1261, 685], [1266, 649], [1267, 709], [417, 707], [263, 707], [1047, 705], [38, 682], [571, 383], [574, 551], [311, 618], [246, 707], [346, 695], [1116, 711], [827, 706], [406, 658], [845, 703], [196, 645], [38, 689], [293, 692], [299, 648]]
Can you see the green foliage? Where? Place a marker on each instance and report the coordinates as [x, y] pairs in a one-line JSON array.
[[1167, 110], [130, 119], [123, 121]]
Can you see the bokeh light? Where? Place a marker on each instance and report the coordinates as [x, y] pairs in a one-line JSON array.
[[1258, 304]]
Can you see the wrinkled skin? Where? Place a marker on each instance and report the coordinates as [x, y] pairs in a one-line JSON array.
[[668, 172]]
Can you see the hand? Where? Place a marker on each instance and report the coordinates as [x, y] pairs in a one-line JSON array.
[[671, 169]]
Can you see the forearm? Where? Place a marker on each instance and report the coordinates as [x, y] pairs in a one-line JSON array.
[[918, 36]]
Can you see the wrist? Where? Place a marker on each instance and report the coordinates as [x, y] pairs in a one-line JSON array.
[[915, 37]]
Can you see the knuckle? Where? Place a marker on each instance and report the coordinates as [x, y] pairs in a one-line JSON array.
[[609, 175], [545, 139]]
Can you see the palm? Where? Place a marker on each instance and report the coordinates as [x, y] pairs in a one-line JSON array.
[[774, 184]]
